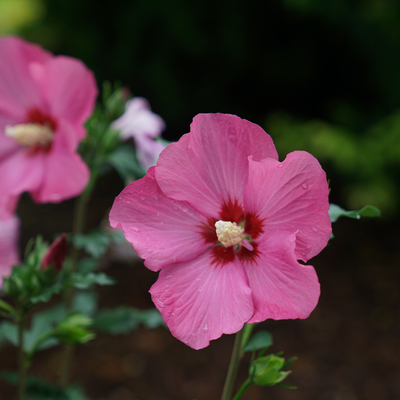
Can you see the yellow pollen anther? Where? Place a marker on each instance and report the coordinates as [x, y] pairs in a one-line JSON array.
[[229, 233], [30, 134]]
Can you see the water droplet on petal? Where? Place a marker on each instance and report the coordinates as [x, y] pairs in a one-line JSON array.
[[205, 329], [305, 186], [142, 198], [232, 138], [189, 147], [314, 229], [168, 277], [280, 165]]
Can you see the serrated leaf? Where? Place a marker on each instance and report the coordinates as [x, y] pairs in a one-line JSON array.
[[83, 281], [335, 212], [260, 340]]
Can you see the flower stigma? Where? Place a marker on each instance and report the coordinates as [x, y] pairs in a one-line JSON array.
[[30, 134], [230, 234]]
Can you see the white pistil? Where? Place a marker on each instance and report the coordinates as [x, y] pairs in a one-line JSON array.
[[229, 233], [30, 134]]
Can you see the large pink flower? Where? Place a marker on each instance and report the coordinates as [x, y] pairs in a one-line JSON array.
[[226, 222], [44, 101], [8, 246]]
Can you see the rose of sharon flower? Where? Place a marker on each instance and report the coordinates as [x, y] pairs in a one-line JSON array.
[[143, 126], [44, 101], [8, 246], [226, 222]]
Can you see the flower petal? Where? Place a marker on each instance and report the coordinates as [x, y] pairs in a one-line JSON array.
[[162, 230], [65, 176], [18, 89], [70, 90], [8, 246], [199, 302], [291, 196], [281, 287], [209, 166], [20, 172]]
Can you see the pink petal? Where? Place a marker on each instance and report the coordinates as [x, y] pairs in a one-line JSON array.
[[20, 172], [148, 151], [65, 176], [291, 196], [199, 301], [139, 121], [70, 90], [9, 229], [18, 90], [281, 287], [162, 230], [209, 166], [8, 204]]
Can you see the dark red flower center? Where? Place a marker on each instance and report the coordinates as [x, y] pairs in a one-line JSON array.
[[252, 224]]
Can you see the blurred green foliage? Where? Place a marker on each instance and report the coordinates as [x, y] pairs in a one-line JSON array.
[[319, 75]]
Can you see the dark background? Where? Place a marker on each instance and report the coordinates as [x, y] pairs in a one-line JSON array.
[[318, 76]]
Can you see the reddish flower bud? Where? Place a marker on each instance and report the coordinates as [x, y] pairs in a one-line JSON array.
[[55, 254]]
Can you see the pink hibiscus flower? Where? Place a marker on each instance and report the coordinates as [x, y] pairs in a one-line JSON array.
[[143, 126], [226, 222], [44, 101], [8, 246]]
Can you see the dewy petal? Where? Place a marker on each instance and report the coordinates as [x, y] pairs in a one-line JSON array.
[[281, 287], [8, 246], [199, 302], [209, 165], [65, 176], [70, 90], [291, 196], [18, 91], [162, 230]]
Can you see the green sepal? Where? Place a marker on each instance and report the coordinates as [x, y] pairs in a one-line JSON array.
[[267, 371]]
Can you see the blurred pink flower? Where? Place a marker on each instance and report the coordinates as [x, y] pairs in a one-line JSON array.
[[8, 246], [143, 126], [226, 222], [44, 102]]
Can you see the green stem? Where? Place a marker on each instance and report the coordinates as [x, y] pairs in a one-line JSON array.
[[77, 227], [244, 387], [21, 358], [237, 354]]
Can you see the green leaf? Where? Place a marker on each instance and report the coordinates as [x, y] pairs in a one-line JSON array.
[[43, 323], [123, 159], [9, 331], [38, 389], [85, 302], [335, 212], [47, 293], [7, 307], [123, 320], [83, 281], [94, 243], [260, 340]]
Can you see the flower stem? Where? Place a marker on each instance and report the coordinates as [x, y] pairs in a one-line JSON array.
[[237, 354], [244, 387], [78, 226], [21, 358]]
